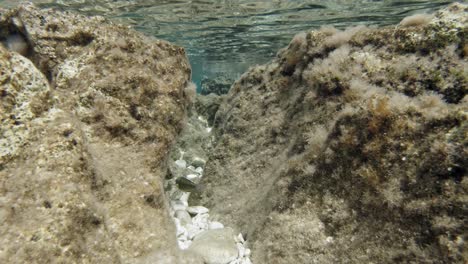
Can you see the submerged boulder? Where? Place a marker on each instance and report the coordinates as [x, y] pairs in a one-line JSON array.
[[349, 147], [89, 110]]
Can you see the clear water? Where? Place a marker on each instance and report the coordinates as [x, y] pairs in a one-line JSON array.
[[225, 37]]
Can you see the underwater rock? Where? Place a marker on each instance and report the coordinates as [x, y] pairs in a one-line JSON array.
[[349, 147], [215, 246], [218, 85], [207, 106], [87, 120], [197, 210]]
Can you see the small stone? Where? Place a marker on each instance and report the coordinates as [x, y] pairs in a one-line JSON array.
[[215, 225], [193, 231], [181, 164], [199, 170], [247, 252], [184, 197], [192, 177], [178, 205], [240, 249], [201, 220], [240, 238], [184, 244], [198, 162], [215, 246], [197, 210], [183, 216]]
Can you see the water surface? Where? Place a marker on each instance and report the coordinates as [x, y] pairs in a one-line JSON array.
[[225, 37]]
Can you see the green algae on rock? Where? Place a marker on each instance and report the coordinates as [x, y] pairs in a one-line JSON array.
[[87, 119], [349, 147]]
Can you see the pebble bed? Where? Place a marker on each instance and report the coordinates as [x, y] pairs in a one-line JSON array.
[[193, 221]]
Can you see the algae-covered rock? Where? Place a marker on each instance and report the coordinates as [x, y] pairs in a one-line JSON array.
[[87, 118], [349, 147], [218, 85]]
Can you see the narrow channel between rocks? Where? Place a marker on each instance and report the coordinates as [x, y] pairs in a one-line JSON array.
[[197, 231]]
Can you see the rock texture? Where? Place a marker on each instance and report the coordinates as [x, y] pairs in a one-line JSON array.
[[218, 85], [217, 246], [87, 119], [350, 147]]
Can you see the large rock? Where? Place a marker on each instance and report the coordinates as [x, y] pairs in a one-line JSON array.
[[350, 147], [216, 246], [87, 119]]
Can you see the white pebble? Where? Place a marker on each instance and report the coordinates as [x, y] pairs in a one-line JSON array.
[[193, 230], [184, 244], [183, 217], [184, 198], [208, 129], [191, 176], [181, 163], [181, 231], [240, 249], [178, 205], [192, 168], [199, 170], [197, 210], [215, 225], [201, 221], [247, 252], [240, 238]]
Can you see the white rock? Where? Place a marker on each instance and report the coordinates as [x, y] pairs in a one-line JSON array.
[[192, 168], [247, 252], [184, 244], [215, 246], [183, 216], [199, 170], [240, 249], [201, 220], [184, 197], [193, 231], [178, 205], [181, 231], [181, 163], [215, 225], [240, 238], [208, 129], [192, 176], [197, 210]]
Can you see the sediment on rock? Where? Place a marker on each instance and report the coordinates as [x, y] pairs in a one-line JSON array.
[[350, 146], [87, 120]]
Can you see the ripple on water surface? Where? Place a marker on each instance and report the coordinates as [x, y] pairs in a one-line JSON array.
[[228, 36]]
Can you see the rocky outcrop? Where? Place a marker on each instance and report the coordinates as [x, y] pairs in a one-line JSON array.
[[88, 115], [218, 85], [349, 147]]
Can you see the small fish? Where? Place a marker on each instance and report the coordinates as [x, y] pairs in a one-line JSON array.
[[187, 185]]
